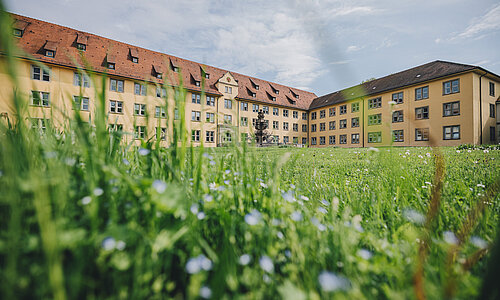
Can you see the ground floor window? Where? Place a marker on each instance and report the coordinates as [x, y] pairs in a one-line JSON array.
[[451, 132], [343, 139], [331, 139], [397, 136], [210, 136], [375, 137], [421, 134], [322, 140], [313, 141], [355, 138]]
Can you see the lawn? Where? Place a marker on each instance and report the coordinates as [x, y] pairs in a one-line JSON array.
[[91, 218]]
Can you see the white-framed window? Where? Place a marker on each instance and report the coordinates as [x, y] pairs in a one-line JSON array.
[[422, 93], [39, 123], [355, 138], [244, 106], [210, 117], [40, 98], [115, 106], [161, 92], [375, 103], [160, 112], [398, 135], [210, 101], [397, 116], [451, 132], [140, 89], [195, 116], [375, 119], [355, 107], [451, 87], [81, 80], [422, 113], [421, 134], [343, 139], [286, 139], [195, 135], [398, 97], [285, 113], [295, 127], [331, 140], [276, 111], [265, 109], [343, 109], [285, 125], [210, 136], [38, 73], [115, 127], [116, 85], [229, 90], [228, 104], [140, 132], [295, 114], [313, 140], [375, 137], [322, 126], [228, 119], [276, 125], [343, 124], [322, 114], [304, 127], [313, 115], [255, 107], [355, 122], [196, 98], [81, 103], [304, 116], [331, 125], [313, 127], [244, 121], [331, 111], [451, 109], [139, 109]]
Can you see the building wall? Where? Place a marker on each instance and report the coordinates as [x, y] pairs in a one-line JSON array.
[[61, 88], [435, 122]]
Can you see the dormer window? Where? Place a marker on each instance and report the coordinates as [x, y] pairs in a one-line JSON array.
[[174, 67], [81, 42], [296, 96], [204, 73], [196, 79], [157, 71], [273, 98], [50, 49], [277, 92], [18, 28], [207, 76], [256, 87], [253, 95], [110, 62], [197, 83], [134, 55], [18, 33]]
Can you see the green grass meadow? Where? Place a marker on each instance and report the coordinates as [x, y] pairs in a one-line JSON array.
[[85, 216]]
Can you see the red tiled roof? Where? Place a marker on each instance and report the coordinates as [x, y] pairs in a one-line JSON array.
[[100, 50]]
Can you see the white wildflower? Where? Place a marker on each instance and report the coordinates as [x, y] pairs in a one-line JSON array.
[[450, 238], [159, 185], [253, 218], [266, 264], [296, 216], [364, 254], [330, 282], [86, 200], [144, 151], [479, 242], [108, 244], [98, 192], [245, 259]]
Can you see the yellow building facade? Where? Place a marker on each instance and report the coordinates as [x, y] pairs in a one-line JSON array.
[[63, 72]]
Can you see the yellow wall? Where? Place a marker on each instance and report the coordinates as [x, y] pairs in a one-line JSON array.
[[468, 118]]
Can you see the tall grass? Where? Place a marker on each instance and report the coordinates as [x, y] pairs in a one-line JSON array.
[[85, 216]]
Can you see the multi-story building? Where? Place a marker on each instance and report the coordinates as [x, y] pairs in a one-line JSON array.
[[61, 69], [141, 87], [439, 103]]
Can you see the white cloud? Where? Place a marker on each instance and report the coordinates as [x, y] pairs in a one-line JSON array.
[[483, 25], [353, 48]]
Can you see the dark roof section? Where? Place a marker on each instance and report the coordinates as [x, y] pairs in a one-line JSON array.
[[420, 74], [100, 49]]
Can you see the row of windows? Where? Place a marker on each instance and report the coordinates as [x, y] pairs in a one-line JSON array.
[[421, 134]]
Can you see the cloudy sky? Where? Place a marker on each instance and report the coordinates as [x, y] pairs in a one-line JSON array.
[[318, 45]]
